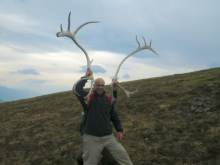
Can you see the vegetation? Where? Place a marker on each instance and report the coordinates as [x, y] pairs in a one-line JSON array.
[[170, 120]]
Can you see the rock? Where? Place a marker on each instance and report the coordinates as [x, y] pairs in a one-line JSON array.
[[192, 108], [206, 109]]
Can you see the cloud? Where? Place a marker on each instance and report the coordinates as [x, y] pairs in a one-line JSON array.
[[126, 76], [35, 81], [95, 69], [28, 71]]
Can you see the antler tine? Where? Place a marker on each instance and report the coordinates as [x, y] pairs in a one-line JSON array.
[[61, 28], [144, 41], [84, 25], [69, 22], [138, 42]]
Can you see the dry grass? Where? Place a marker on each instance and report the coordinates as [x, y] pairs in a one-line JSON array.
[[160, 127]]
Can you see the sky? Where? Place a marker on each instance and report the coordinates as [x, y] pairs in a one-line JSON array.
[[185, 34]]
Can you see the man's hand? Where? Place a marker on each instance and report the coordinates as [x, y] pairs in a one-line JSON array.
[[120, 136], [115, 84], [88, 72]]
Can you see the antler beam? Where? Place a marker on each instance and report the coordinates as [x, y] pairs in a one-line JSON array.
[[137, 50], [73, 37]]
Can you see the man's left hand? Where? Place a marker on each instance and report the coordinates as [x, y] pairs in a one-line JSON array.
[[120, 136]]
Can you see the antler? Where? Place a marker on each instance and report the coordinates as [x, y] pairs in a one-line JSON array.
[[137, 50], [73, 37]]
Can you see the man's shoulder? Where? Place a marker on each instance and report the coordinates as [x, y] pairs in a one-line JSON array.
[[92, 96], [109, 99]]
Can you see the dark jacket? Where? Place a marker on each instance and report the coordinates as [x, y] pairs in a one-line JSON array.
[[98, 115]]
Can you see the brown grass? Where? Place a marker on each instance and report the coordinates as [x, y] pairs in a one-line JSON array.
[[160, 126]]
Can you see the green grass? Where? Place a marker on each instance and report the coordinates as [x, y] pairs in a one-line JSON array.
[[160, 126]]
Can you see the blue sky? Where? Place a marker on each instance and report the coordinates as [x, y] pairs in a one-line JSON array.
[[185, 34]]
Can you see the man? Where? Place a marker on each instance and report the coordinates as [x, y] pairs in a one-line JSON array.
[[107, 158], [96, 127]]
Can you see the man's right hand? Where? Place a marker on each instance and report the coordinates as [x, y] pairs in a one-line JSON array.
[[115, 84], [88, 72]]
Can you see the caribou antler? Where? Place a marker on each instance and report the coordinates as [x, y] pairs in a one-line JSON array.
[[73, 37], [137, 50]]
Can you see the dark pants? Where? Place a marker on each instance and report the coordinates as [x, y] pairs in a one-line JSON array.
[[107, 158]]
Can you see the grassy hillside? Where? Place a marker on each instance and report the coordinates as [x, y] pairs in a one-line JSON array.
[[170, 120]]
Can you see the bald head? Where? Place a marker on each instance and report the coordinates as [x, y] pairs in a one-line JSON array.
[[99, 80], [99, 85]]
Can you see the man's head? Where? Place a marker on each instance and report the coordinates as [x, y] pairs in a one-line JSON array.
[[99, 85]]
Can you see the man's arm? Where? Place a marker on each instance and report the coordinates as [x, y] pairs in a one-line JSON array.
[[79, 85], [115, 85], [79, 88], [120, 130], [80, 92], [117, 123]]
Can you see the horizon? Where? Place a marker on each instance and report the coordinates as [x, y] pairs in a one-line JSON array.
[[88, 86]]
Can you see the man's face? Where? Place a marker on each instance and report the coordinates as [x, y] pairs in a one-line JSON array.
[[99, 86]]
